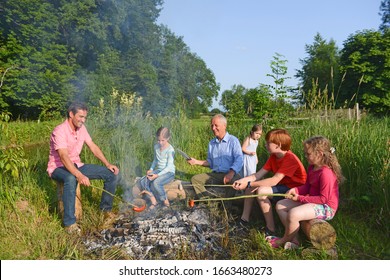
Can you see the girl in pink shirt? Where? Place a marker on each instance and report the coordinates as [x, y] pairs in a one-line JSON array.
[[318, 198]]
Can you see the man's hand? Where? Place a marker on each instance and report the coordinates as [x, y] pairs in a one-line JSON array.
[[83, 180], [228, 177], [192, 161], [114, 169]]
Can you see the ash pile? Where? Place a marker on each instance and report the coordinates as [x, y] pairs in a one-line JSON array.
[[163, 234]]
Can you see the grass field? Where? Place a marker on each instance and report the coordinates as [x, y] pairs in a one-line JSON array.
[[31, 229]]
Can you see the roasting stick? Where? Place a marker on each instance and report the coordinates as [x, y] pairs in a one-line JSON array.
[[210, 185], [135, 207], [191, 202]]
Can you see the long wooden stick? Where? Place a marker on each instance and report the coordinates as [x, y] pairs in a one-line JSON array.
[[135, 207], [211, 185], [240, 197]]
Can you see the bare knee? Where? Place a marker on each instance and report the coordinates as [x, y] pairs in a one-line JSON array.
[[279, 206]]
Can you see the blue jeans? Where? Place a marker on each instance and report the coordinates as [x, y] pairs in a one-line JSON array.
[[92, 171], [157, 185]]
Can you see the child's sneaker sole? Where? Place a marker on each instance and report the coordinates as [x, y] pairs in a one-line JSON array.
[[290, 246]]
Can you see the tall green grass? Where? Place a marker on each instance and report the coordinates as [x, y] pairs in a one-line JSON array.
[[30, 223], [363, 151]]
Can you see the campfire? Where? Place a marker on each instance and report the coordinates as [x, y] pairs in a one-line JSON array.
[[162, 233]]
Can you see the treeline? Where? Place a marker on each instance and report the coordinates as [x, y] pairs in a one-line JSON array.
[[329, 79], [59, 50], [55, 51]]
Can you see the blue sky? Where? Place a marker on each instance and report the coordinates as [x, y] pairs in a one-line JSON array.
[[238, 38]]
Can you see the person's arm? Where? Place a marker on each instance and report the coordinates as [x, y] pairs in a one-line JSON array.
[[269, 182], [326, 182], [237, 161], [170, 165], [292, 194], [242, 183], [304, 189], [245, 145], [229, 176], [238, 158], [194, 161], [204, 163], [99, 155], [154, 162], [149, 172]]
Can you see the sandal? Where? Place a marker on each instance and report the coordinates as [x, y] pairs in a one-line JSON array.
[[272, 241]]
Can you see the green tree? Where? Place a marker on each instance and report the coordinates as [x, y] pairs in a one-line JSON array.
[[319, 68], [385, 14], [57, 50], [258, 102], [115, 42], [366, 60], [184, 79], [43, 68], [279, 89], [233, 102]]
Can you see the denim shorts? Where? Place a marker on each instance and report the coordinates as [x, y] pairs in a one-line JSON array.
[[324, 212], [279, 189]]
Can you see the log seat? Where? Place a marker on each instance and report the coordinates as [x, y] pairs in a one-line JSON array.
[[78, 204], [321, 234]]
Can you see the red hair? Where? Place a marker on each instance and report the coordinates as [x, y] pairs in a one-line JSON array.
[[280, 137]]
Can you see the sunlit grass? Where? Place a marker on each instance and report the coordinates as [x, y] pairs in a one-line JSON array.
[[35, 230]]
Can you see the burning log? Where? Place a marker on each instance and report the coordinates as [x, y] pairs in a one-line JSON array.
[[78, 206], [321, 234]]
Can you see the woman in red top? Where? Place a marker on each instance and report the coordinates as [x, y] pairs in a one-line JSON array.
[[318, 198]]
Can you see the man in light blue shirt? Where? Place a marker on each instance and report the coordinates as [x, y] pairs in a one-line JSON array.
[[224, 157]]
